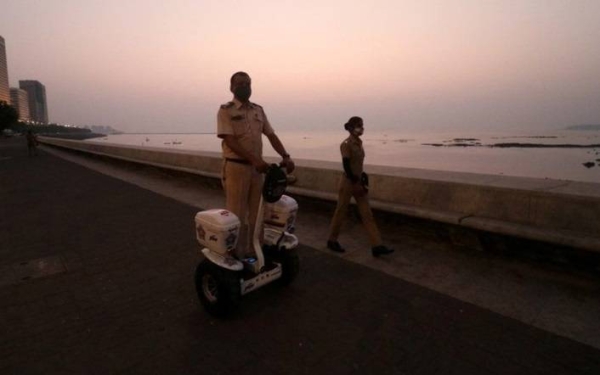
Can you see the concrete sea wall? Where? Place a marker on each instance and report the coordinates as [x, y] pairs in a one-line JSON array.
[[555, 211]]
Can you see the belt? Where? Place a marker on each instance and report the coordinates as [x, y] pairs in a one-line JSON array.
[[239, 161]]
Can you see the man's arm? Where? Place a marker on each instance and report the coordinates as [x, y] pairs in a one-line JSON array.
[[288, 163], [234, 145]]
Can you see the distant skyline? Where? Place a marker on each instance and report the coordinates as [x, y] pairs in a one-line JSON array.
[[4, 87], [432, 65], [36, 99]]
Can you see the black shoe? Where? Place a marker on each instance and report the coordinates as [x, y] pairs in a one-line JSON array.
[[379, 250], [335, 246]]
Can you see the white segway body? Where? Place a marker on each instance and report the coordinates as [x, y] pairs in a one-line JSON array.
[[217, 231], [279, 223]]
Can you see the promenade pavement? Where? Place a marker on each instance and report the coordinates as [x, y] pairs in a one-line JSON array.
[[96, 277]]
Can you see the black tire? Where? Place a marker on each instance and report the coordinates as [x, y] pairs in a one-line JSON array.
[[290, 265], [218, 289]]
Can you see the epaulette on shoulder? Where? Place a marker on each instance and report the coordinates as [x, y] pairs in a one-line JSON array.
[[227, 105], [256, 105]]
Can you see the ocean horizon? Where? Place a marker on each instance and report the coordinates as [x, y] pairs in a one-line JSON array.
[[553, 154]]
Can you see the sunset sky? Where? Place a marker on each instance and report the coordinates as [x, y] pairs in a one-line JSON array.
[[164, 66]]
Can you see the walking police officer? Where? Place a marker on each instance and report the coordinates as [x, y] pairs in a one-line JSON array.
[[354, 183]]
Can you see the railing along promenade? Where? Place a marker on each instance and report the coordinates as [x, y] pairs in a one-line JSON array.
[[560, 212]]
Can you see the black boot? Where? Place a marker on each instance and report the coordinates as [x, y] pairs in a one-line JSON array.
[[335, 246], [379, 250]]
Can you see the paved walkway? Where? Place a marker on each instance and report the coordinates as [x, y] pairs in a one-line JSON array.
[[116, 296]]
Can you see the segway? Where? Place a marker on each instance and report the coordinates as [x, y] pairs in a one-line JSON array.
[[221, 279]]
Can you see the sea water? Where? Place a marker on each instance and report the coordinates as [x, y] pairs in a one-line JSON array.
[[474, 152]]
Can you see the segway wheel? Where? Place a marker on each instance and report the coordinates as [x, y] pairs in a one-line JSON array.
[[290, 265], [218, 289]]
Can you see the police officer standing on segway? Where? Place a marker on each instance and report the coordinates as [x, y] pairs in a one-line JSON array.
[[241, 124]]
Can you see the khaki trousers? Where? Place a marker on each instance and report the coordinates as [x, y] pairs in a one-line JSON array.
[[243, 187], [345, 193]]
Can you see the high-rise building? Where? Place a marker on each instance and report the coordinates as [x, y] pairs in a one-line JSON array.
[[19, 100], [36, 94], [4, 88]]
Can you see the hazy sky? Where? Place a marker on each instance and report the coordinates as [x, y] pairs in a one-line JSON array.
[[155, 65]]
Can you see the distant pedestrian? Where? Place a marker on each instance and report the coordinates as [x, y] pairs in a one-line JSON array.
[[354, 183], [32, 143]]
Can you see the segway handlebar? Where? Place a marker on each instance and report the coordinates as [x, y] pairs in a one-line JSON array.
[[275, 183]]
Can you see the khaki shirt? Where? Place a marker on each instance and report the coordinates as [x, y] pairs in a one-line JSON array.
[[352, 148], [247, 122]]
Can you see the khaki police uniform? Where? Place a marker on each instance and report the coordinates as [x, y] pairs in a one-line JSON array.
[[352, 148], [241, 181]]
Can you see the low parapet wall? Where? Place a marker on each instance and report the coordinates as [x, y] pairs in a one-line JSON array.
[[556, 211]]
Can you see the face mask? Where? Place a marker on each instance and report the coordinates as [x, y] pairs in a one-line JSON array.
[[243, 93]]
